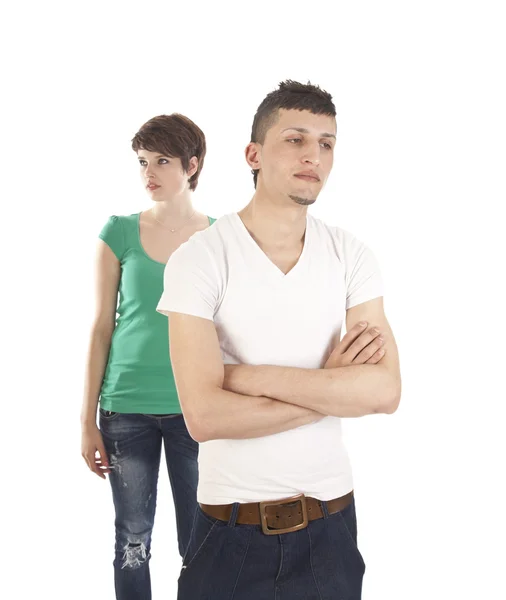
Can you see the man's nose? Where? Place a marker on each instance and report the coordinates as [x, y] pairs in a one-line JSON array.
[[312, 154]]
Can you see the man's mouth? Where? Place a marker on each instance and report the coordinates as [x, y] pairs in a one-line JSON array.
[[308, 176]]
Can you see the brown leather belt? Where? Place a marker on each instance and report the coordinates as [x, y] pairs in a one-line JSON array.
[[278, 516]]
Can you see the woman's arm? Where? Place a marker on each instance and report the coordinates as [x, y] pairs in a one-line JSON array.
[[107, 276]]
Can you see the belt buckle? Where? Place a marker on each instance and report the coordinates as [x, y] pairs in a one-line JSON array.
[[263, 516]]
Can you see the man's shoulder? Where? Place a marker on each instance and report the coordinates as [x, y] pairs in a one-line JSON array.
[[214, 234], [337, 236], [220, 226], [206, 244]]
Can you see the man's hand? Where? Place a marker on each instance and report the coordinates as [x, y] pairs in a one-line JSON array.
[[360, 346]]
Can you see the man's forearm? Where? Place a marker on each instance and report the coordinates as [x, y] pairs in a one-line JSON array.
[[351, 391], [230, 415]]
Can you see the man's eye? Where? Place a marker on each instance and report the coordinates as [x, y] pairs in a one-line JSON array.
[[163, 161], [294, 140]]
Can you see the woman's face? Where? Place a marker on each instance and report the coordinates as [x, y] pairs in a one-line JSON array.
[[162, 176]]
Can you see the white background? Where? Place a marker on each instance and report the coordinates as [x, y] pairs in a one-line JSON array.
[[419, 176]]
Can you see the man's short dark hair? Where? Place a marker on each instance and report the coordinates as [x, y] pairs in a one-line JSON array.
[[290, 95], [174, 136]]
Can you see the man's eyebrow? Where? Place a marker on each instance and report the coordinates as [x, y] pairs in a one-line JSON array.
[[304, 130]]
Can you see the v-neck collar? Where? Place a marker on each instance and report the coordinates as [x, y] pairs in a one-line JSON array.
[[298, 265]]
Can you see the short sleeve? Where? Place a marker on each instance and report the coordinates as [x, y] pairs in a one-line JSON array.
[[112, 235], [363, 276], [190, 282]]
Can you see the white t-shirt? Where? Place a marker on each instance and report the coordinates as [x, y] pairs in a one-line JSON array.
[[264, 317]]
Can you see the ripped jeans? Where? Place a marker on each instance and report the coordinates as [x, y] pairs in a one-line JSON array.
[[133, 443]]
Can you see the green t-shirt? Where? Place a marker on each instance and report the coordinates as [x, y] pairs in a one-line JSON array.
[[138, 377]]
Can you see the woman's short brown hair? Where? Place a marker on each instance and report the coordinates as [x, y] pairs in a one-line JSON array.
[[174, 136]]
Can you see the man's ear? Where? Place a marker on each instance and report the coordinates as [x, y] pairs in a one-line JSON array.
[[253, 155]]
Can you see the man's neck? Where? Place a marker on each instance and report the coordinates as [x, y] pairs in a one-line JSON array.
[[274, 223]]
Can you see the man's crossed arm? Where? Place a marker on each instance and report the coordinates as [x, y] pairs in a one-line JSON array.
[[358, 390], [230, 405]]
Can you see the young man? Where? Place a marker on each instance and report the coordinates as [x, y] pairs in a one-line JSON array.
[[256, 305]]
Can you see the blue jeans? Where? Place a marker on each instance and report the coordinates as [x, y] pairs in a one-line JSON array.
[[240, 562], [133, 444]]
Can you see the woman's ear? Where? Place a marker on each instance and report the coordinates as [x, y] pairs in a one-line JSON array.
[[193, 166]]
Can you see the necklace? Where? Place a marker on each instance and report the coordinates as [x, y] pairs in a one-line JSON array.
[[170, 228]]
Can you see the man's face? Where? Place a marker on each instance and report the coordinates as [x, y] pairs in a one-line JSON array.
[[297, 155]]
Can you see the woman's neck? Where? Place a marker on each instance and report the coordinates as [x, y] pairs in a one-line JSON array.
[[175, 209]]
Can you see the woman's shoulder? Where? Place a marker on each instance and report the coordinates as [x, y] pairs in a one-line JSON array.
[[133, 218], [120, 232], [119, 220]]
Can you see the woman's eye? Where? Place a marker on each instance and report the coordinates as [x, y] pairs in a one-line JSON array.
[[142, 163], [163, 161]]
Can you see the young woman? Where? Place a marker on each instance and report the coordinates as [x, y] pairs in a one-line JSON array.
[[128, 362]]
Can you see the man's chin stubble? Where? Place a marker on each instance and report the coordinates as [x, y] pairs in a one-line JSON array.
[[303, 201]]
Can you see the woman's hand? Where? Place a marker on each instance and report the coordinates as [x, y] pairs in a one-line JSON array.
[[93, 450]]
